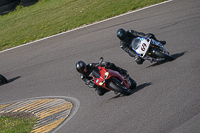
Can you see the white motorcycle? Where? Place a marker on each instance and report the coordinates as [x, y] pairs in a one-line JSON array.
[[151, 50]]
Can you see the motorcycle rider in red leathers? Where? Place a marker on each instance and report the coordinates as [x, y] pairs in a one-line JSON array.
[[85, 71]]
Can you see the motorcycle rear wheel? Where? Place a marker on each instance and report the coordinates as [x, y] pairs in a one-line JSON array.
[[3, 80], [115, 85], [163, 55]]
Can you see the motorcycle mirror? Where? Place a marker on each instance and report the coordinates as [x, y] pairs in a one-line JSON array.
[[100, 60]]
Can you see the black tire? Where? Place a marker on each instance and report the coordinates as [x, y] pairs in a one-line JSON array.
[[28, 2], [3, 80], [133, 84], [6, 2], [163, 55], [115, 85], [7, 8]]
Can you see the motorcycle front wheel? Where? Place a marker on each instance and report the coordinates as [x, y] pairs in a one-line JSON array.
[[163, 55], [3, 80], [133, 84], [115, 85]]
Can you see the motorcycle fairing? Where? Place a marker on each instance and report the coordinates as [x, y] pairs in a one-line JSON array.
[[121, 77], [112, 73], [156, 43], [98, 73], [141, 45]]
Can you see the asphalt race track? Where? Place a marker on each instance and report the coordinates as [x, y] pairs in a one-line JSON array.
[[167, 99]]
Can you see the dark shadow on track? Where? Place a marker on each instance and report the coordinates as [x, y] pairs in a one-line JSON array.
[[10, 80], [175, 56], [138, 88], [157, 63], [13, 79]]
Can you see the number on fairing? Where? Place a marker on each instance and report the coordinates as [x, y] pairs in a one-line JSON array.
[[143, 47]]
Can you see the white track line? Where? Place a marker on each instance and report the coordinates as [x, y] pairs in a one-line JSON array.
[[86, 25]]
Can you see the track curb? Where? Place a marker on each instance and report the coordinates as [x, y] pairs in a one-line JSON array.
[[52, 111]]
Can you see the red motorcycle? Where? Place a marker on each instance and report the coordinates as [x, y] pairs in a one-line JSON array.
[[112, 80]]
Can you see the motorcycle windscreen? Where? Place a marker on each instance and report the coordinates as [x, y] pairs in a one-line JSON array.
[[96, 73], [135, 43]]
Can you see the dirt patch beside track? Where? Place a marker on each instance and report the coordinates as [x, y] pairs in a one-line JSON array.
[[22, 115]]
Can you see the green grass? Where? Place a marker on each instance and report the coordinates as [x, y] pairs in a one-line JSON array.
[[16, 125], [49, 17]]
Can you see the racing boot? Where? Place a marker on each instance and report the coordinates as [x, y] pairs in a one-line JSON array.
[[123, 72], [163, 42], [152, 36]]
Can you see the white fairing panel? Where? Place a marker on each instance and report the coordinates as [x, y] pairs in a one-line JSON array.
[[141, 45]]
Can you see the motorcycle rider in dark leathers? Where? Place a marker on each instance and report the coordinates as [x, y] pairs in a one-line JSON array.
[[85, 71], [126, 38]]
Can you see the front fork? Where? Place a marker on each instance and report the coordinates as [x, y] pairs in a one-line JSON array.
[[152, 50]]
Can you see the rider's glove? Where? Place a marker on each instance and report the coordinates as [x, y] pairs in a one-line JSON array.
[[90, 83], [138, 60], [87, 82]]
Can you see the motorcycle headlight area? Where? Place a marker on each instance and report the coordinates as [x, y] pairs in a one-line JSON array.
[[106, 75], [101, 83]]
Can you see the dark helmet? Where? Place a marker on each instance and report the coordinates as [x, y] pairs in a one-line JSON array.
[[121, 34], [80, 66]]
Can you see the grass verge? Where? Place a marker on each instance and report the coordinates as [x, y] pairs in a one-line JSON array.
[[16, 125], [49, 17]]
